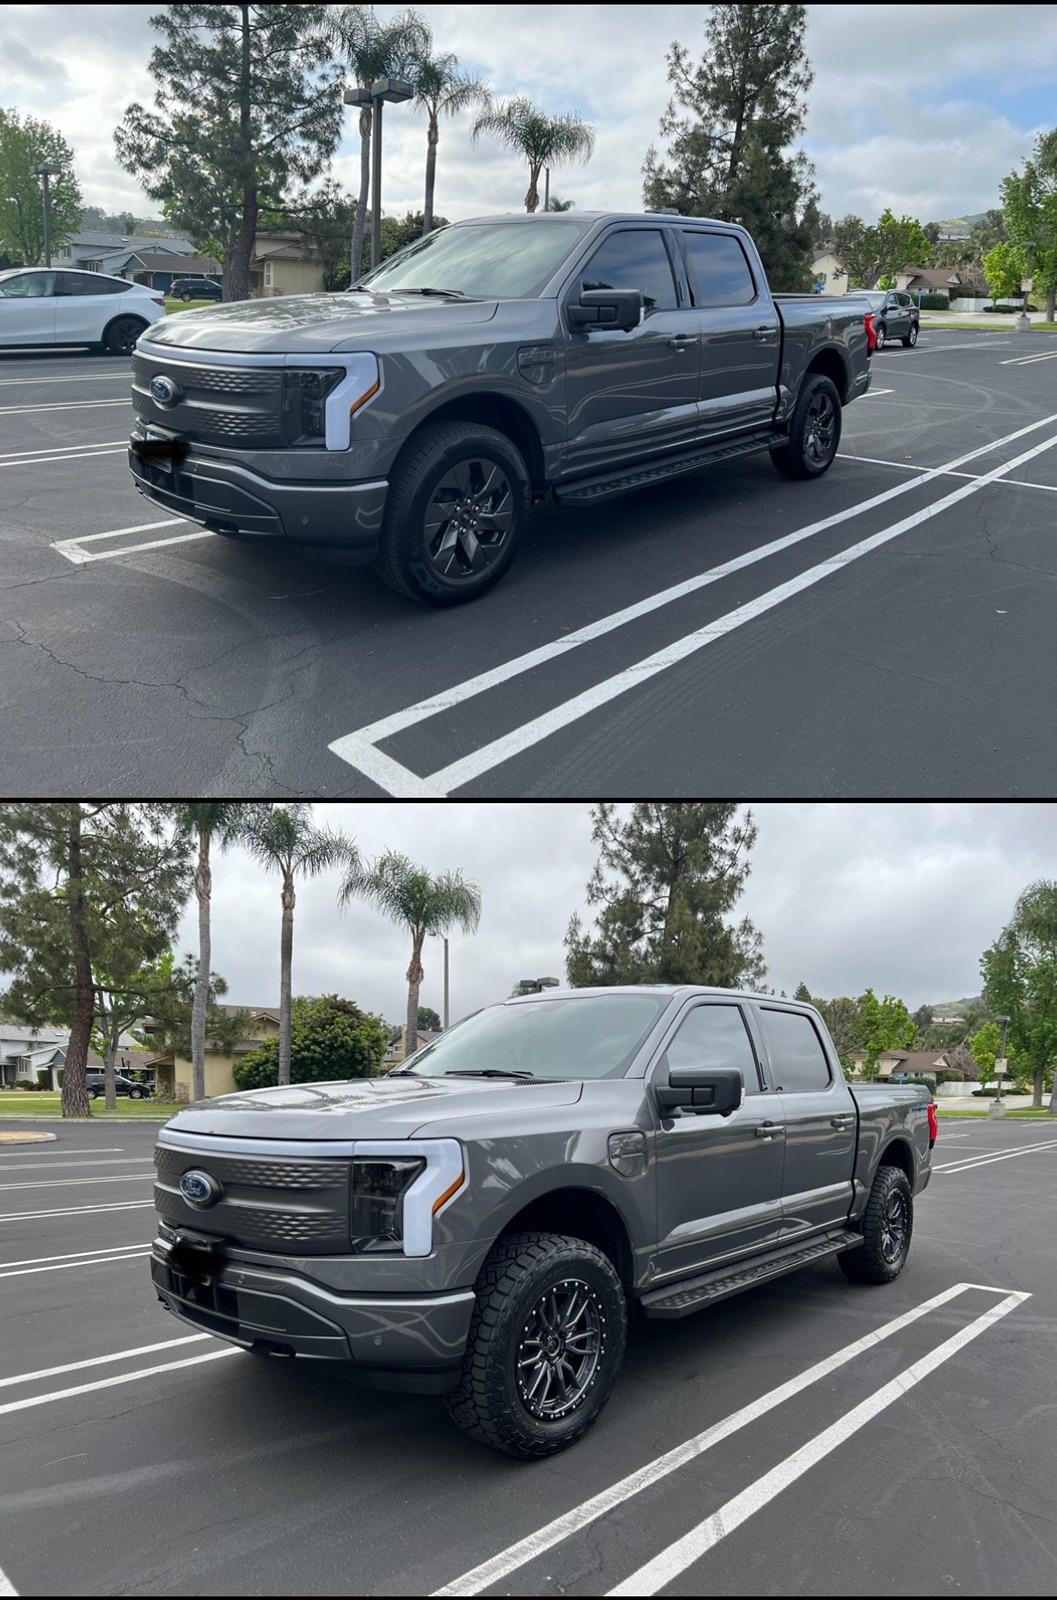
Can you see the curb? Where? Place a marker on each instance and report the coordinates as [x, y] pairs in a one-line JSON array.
[[25, 1138]]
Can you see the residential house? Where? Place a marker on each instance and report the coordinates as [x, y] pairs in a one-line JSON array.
[[914, 1063], [396, 1049], [175, 1073], [25, 1051], [284, 263], [934, 280], [828, 274], [159, 269], [142, 257]]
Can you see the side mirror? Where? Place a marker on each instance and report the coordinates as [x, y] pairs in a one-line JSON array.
[[607, 308], [718, 1090]]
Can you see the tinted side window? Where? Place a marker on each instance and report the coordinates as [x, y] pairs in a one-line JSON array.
[[715, 1036], [80, 283], [718, 270], [798, 1061], [636, 259], [29, 286]]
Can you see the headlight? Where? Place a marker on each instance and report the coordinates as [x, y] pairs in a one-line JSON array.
[[377, 1210], [305, 390], [398, 1187]]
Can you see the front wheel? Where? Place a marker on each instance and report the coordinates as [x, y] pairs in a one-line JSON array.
[[120, 338], [814, 432], [545, 1345], [185, 296], [887, 1226], [881, 334], [458, 505], [135, 1094], [912, 337]]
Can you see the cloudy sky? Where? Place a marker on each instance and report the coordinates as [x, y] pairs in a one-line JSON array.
[[903, 897], [924, 108]]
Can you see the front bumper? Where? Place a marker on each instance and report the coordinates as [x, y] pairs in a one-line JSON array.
[[227, 497], [405, 1342]]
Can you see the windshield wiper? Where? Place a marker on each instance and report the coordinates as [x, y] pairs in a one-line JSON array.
[[489, 1072], [444, 294]]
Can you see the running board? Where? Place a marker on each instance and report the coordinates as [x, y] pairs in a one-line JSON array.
[[586, 491], [690, 1294]]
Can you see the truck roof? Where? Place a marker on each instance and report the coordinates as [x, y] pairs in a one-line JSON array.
[[669, 990], [593, 217]]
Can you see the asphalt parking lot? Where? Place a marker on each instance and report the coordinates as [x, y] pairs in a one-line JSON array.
[[809, 1437], [887, 630]]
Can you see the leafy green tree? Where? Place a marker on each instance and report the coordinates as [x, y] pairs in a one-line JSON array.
[[665, 884], [881, 250], [441, 90], [88, 894], [1029, 199], [541, 140], [986, 1046], [373, 47], [923, 1019], [246, 104], [286, 838], [841, 1016], [730, 128], [419, 902], [172, 1013], [25, 142], [1020, 981], [555, 203], [428, 1019], [400, 231], [1004, 268], [330, 1038], [882, 1025], [205, 821]]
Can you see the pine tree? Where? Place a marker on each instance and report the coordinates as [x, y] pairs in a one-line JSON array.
[[729, 126], [802, 992], [665, 883]]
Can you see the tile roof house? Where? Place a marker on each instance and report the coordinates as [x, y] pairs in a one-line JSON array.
[[284, 263], [933, 280], [915, 1063]]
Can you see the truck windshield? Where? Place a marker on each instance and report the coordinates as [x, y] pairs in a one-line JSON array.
[[484, 260], [579, 1037]]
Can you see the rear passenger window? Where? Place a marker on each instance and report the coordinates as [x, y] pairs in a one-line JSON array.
[[798, 1061], [715, 1036], [634, 259], [82, 283], [719, 271]]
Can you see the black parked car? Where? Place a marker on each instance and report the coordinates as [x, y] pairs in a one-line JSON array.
[[122, 1085], [196, 289], [895, 317]]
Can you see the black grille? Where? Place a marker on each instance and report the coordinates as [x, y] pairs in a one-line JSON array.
[[252, 419], [267, 1202]]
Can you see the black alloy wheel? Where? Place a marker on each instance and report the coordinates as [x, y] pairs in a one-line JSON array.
[[121, 335], [912, 337], [882, 334], [820, 439], [560, 1351], [467, 519]]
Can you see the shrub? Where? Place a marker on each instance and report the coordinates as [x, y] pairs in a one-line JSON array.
[[330, 1038], [935, 302], [1005, 310], [25, 1083]]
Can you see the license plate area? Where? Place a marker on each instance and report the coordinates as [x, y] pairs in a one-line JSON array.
[[154, 447], [196, 1261]]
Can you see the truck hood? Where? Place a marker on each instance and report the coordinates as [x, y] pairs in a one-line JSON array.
[[369, 1108], [315, 324]]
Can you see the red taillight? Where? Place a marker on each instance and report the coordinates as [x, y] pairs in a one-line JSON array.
[[934, 1124], [871, 333], [158, 301]]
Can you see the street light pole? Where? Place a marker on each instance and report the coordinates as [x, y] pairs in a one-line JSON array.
[[46, 170], [445, 984], [395, 90], [1023, 322]]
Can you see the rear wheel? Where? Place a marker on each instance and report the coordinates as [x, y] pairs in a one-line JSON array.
[[458, 504], [887, 1226], [135, 1094], [120, 337], [882, 334], [814, 432], [912, 337], [545, 1345]]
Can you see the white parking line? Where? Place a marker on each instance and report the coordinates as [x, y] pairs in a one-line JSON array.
[[67, 1255], [910, 466], [966, 1162], [78, 455], [7, 1588], [62, 449], [536, 1544], [66, 1183], [74, 1211], [110, 1383], [873, 393], [89, 1161], [97, 1149], [64, 1266], [71, 548], [71, 405], [98, 1361], [1028, 361], [358, 748], [90, 377], [666, 1567]]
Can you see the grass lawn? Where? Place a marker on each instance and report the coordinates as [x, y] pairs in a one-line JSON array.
[[1029, 1112], [985, 327], [172, 305], [33, 1103]]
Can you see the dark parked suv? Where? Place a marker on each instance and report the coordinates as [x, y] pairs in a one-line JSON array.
[[196, 289], [122, 1085], [895, 317]]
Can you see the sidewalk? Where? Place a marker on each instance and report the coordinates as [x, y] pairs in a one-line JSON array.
[[978, 319]]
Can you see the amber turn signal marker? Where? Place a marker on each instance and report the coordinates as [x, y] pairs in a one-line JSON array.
[[362, 401], [449, 1191]]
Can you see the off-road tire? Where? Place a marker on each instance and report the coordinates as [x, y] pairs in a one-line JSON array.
[[867, 1263], [401, 561], [792, 459], [485, 1403]]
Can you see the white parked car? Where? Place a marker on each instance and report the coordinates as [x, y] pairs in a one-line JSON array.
[[47, 305]]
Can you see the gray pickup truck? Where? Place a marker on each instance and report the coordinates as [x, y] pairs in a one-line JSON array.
[[414, 419], [478, 1222]]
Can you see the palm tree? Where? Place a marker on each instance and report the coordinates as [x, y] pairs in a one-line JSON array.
[[541, 140], [375, 49], [423, 904], [286, 837], [440, 88], [205, 820]]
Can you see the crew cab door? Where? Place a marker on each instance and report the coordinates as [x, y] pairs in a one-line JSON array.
[[740, 333], [821, 1124], [719, 1179], [631, 394], [27, 308]]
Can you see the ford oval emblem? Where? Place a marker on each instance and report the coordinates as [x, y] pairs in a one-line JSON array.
[[164, 391], [199, 1189]]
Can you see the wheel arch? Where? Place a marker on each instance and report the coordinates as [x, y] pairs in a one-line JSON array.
[[898, 1153], [583, 1213], [830, 363], [491, 409], [122, 316]]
